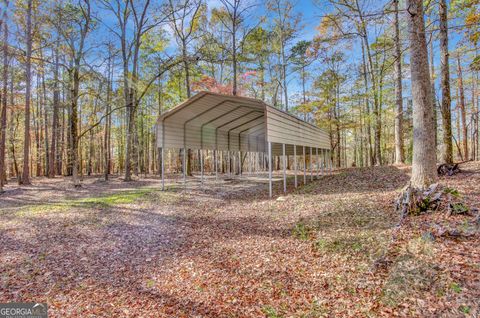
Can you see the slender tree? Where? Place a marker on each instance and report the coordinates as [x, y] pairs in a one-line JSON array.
[[463, 111], [3, 106], [183, 16], [286, 24], [236, 14], [126, 13], [354, 11], [52, 170], [434, 96], [370, 153], [301, 61], [108, 122], [445, 83], [399, 148], [28, 86], [79, 19]]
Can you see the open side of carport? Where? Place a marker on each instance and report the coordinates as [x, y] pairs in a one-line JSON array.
[[235, 125]]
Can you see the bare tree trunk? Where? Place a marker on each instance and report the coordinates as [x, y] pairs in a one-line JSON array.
[[424, 170], [45, 120], [75, 78], [69, 170], [74, 73], [445, 82], [399, 147], [458, 126], [476, 113], [284, 70], [367, 110], [262, 81], [13, 125], [3, 113], [129, 140], [125, 49], [187, 70], [61, 140], [108, 120], [131, 126], [476, 108], [377, 132], [91, 147], [128, 110], [52, 170], [462, 109], [375, 89], [189, 94], [360, 148], [336, 115], [304, 94], [36, 122], [28, 83], [133, 100], [434, 98], [234, 50]]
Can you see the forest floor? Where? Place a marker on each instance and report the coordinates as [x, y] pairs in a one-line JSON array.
[[328, 249]]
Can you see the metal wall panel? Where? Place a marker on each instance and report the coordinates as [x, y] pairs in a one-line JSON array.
[[204, 121], [285, 128]]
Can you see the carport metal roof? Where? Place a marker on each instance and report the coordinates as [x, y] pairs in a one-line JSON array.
[[222, 122]]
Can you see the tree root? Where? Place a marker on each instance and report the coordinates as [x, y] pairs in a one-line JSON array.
[[415, 201], [450, 233]]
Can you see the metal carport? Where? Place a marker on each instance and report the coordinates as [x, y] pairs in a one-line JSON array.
[[210, 121]]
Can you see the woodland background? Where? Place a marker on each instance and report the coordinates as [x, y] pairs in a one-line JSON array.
[[82, 82]]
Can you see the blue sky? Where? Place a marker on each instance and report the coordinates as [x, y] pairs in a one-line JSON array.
[[311, 11]]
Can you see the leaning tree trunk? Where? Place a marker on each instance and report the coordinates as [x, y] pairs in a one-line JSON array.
[[445, 82], [424, 170]]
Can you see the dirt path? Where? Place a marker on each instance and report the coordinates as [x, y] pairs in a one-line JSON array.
[[131, 250]]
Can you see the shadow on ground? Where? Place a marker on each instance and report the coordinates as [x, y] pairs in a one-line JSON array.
[[144, 249]]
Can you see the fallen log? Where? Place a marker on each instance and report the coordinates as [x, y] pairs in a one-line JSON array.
[[446, 169]]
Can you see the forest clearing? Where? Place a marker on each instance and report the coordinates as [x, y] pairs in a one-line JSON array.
[[128, 249], [239, 158]]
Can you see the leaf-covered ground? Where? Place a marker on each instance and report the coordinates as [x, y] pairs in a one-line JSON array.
[[329, 249]]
